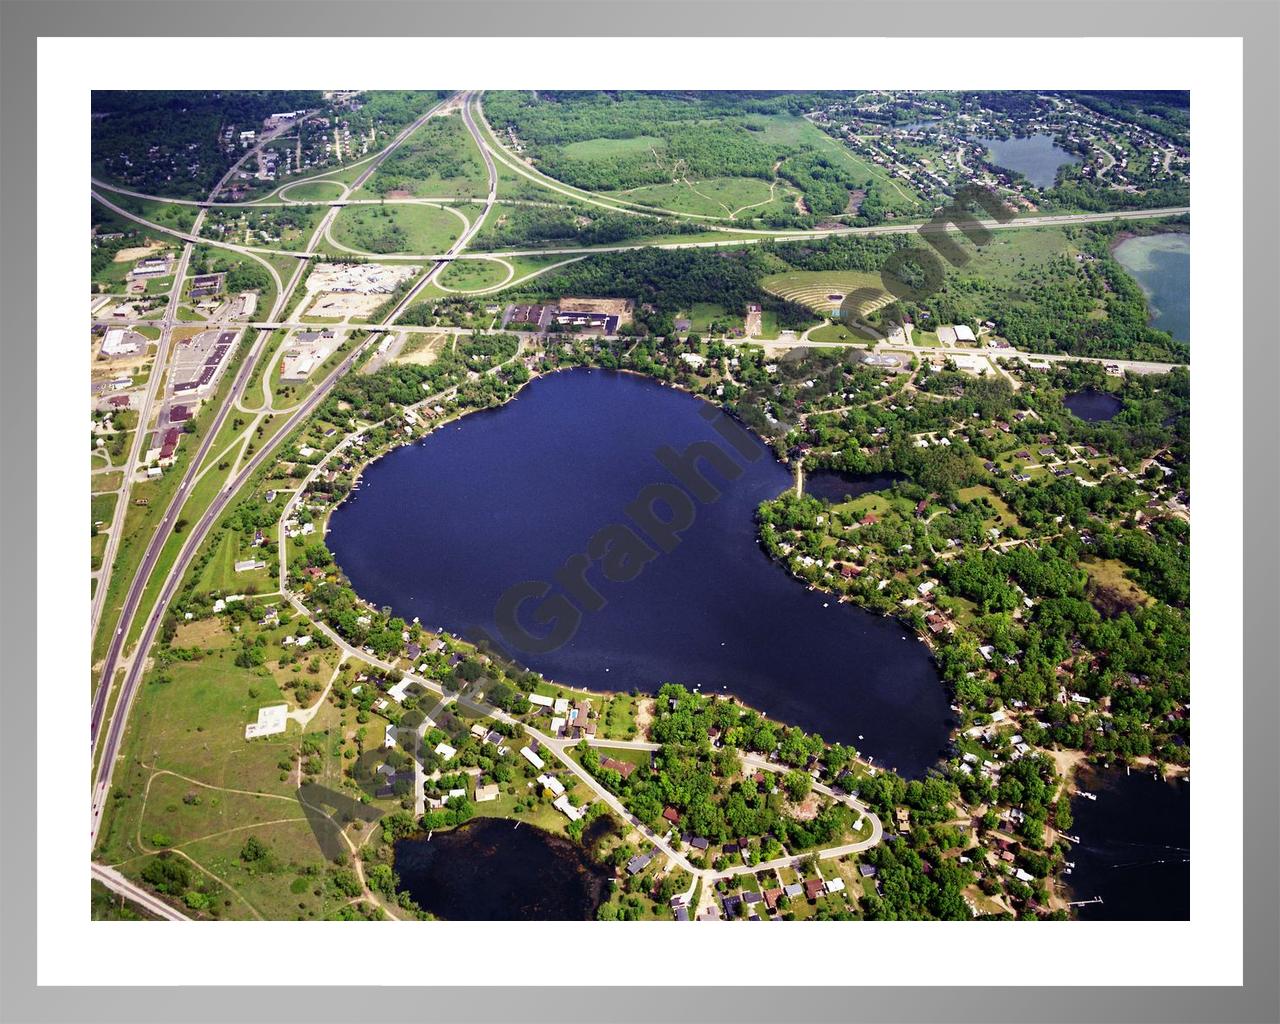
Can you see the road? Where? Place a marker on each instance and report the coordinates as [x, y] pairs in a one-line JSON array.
[[166, 325], [441, 262], [114, 731], [136, 448], [117, 883]]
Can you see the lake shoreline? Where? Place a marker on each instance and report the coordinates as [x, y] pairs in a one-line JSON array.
[[593, 689]]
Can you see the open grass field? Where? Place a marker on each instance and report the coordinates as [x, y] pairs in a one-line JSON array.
[[836, 332], [602, 149], [704, 314], [440, 159], [473, 275], [1110, 586], [1003, 514], [403, 228], [219, 575], [824, 290], [103, 482], [896, 196], [174, 216], [311, 191], [618, 718], [729, 198]]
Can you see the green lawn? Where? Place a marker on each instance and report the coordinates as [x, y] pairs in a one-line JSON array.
[[600, 149], [471, 275], [219, 575], [727, 198], [836, 332], [311, 191], [400, 228]]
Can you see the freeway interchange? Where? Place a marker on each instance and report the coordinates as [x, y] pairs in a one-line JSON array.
[[109, 716]]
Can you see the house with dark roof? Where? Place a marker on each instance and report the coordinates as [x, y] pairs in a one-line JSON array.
[[639, 862]]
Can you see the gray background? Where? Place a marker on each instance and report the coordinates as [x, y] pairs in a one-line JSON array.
[[22, 22]]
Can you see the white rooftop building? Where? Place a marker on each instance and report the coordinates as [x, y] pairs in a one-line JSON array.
[[270, 721]]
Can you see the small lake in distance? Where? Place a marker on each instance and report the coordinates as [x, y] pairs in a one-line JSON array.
[[442, 528], [1036, 157], [836, 486], [1161, 264], [1092, 405], [491, 870]]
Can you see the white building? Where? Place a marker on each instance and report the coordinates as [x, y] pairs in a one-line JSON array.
[[528, 754], [270, 721]]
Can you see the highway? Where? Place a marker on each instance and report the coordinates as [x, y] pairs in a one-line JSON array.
[[136, 448], [113, 731], [133, 676], [117, 883]]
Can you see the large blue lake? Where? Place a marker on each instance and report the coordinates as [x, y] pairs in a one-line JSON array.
[[442, 528], [1036, 157], [1161, 264]]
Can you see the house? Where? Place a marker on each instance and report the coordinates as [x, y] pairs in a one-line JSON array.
[[445, 751], [835, 885], [623, 768], [771, 897], [903, 817], [936, 623], [639, 862], [697, 842], [793, 890], [562, 804], [813, 888], [389, 737], [539, 701], [867, 870], [532, 758], [671, 815], [413, 650], [551, 784]]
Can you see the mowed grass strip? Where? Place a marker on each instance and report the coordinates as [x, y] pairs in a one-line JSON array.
[[823, 291]]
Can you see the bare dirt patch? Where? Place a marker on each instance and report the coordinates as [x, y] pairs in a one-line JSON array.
[[807, 809], [137, 252], [644, 716]]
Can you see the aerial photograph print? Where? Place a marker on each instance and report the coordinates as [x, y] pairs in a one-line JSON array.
[[685, 506]]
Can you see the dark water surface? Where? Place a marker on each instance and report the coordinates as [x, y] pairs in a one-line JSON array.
[[1161, 264], [834, 486], [1134, 849], [490, 870], [1036, 157], [440, 529], [1092, 405]]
